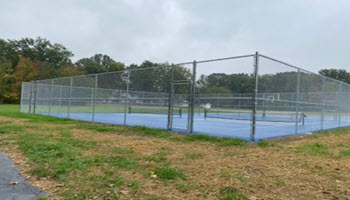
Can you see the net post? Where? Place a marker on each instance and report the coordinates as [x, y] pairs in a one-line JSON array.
[[30, 97], [255, 95], [297, 103], [50, 96], [94, 98], [35, 96], [171, 99], [193, 88], [70, 97], [323, 103]]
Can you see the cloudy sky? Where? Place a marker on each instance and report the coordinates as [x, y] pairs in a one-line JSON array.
[[312, 34]]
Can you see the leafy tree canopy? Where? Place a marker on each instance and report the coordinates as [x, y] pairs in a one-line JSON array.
[[99, 63]]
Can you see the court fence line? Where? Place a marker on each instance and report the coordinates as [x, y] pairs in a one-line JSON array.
[[324, 102]]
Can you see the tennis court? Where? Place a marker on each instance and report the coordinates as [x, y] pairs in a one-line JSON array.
[[251, 97]]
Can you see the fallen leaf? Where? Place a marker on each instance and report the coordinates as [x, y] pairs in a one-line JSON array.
[[60, 185], [153, 176], [124, 191]]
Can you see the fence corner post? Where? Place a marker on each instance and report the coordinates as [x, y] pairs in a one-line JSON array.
[[193, 90], [255, 96], [171, 98]]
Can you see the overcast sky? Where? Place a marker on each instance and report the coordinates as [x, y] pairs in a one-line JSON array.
[[312, 34]]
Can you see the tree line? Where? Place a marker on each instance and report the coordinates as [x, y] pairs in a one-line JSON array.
[[30, 59]]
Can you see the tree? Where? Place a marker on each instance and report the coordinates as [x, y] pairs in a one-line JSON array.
[[99, 63], [8, 53], [52, 57], [71, 70], [7, 81], [223, 83], [156, 77], [338, 74]]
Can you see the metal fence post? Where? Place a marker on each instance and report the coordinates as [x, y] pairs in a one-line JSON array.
[[35, 96], [94, 98], [171, 99], [30, 97], [255, 95], [193, 90], [339, 102], [297, 103], [127, 79], [70, 96], [50, 96], [323, 103]]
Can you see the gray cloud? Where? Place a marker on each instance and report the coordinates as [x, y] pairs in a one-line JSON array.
[[311, 33]]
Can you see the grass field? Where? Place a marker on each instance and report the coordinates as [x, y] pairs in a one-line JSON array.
[[79, 160]]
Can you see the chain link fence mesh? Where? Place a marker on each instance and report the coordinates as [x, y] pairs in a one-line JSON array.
[[251, 97]]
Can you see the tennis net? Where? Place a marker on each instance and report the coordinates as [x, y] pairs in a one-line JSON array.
[[177, 111], [270, 116]]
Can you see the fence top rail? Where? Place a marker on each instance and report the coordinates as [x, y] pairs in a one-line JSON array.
[[217, 59]]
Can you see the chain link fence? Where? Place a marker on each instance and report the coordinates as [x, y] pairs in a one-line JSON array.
[[252, 97]]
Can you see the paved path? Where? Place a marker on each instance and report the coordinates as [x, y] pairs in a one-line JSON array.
[[20, 191]]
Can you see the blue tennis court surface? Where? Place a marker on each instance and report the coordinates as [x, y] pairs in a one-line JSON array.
[[215, 126]]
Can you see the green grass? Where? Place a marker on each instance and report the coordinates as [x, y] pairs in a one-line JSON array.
[[54, 157], [193, 155], [158, 133], [5, 122], [159, 158], [264, 143], [13, 111], [167, 173], [230, 193], [314, 149], [96, 127], [42, 198], [118, 161], [221, 141], [344, 153], [11, 129]]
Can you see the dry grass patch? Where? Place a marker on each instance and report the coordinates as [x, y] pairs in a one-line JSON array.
[[135, 163]]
